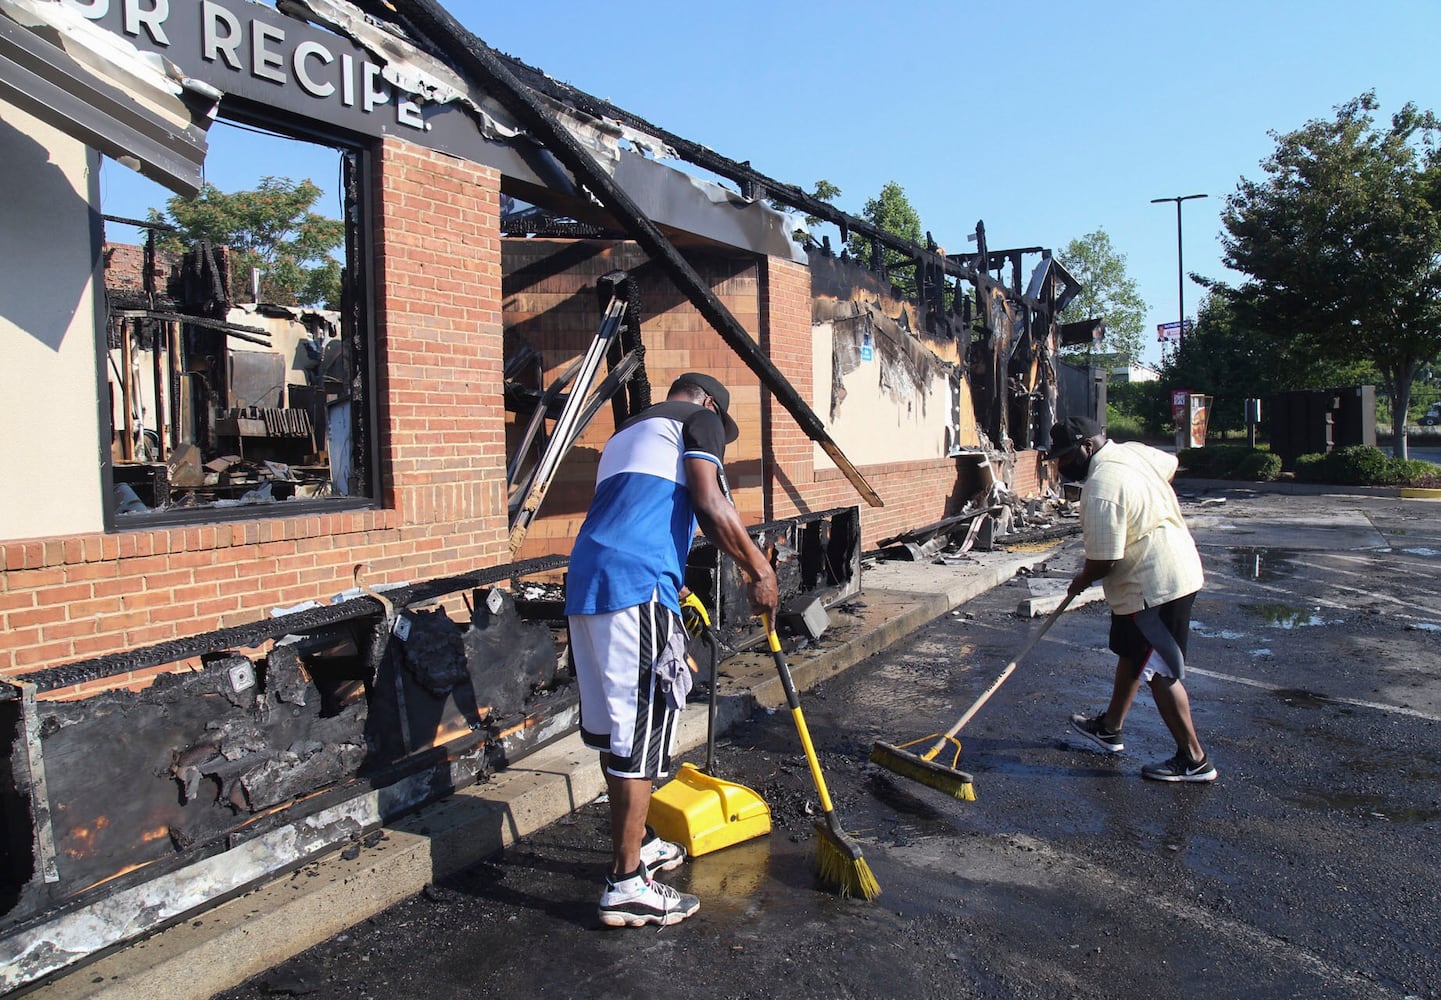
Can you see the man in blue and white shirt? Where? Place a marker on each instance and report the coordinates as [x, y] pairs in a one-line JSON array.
[[660, 476]]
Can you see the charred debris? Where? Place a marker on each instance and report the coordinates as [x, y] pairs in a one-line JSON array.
[[994, 518]]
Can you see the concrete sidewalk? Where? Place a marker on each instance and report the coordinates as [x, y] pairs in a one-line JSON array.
[[222, 946]]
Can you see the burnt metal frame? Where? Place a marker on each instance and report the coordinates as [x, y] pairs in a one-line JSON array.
[[515, 85]]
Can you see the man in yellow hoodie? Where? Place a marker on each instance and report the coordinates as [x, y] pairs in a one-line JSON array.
[[1138, 546]]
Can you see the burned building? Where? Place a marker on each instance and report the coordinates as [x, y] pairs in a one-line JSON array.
[[272, 573]]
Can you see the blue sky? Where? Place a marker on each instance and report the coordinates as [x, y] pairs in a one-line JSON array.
[[1047, 120]]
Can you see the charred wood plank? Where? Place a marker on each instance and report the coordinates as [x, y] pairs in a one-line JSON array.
[[753, 183]]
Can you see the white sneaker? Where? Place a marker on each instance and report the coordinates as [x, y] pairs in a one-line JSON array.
[[638, 900], [659, 855]]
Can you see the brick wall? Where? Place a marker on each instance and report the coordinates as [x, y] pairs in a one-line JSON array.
[[442, 431], [440, 356], [445, 322], [1026, 474], [125, 267], [551, 305]]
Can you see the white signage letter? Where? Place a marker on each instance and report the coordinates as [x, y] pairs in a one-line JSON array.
[[220, 34], [153, 19], [347, 80], [93, 9], [309, 84], [407, 112], [266, 61], [375, 88]]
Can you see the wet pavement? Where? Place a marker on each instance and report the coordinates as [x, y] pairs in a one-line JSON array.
[[1307, 870]]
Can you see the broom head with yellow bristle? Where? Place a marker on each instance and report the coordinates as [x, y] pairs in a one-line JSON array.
[[924, 768], [839, 861]]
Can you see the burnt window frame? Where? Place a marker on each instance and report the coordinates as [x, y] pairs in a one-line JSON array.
[[358, 323]]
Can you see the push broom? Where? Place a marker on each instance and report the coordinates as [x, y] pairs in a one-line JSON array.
[[924, 767], [838, 857]]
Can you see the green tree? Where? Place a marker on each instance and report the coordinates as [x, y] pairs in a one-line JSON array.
[[271, 228], [1106, 291], [891, 211], [1341, 242], [825, 191]]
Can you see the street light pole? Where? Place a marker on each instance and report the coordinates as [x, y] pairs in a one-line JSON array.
[[1180, 269]]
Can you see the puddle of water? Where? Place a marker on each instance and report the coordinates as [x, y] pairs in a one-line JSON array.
[[1285, 616], [1412, 767], [1425, 626], [1302, 698], [1259, 563], [1421, 552], [1262, 653], [1373, 806], [1207, 632]]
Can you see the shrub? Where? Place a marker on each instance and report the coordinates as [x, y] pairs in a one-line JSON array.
[[1413, 470], [1311, 468], [1362, 465], [1145, 403], [1220, 461], [1359, 465], [1258, 466], [1124, 426]]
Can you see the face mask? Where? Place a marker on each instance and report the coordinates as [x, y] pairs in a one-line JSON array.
[[1074, 466]]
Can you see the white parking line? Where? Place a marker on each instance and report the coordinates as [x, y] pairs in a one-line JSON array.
[[1275, 688], [1428, 607]]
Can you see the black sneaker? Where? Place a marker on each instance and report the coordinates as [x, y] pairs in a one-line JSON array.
[[1094, 729], [638, 900], [1180, 768]]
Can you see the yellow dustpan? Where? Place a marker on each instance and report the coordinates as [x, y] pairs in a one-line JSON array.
[[699, 811]]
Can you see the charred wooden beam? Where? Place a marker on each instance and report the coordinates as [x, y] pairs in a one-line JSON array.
[[249, 334], [752, 182], [474, 57]]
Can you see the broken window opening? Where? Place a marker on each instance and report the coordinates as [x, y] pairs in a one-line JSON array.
[[237, 370]]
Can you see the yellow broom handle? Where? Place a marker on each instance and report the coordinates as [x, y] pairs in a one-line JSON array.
[[811, 759], [794, 701]]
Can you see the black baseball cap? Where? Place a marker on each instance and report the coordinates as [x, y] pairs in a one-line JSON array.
[[1071, 432], [712, 388]]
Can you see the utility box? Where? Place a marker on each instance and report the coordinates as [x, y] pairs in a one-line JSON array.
[[1317, 421]]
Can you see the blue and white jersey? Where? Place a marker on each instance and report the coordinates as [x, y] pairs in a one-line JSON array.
[[638, 530]]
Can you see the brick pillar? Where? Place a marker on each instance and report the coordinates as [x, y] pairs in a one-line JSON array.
[[785, 307], [440, 350]]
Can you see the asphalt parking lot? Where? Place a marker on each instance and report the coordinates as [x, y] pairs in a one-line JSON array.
[[1307, 870]]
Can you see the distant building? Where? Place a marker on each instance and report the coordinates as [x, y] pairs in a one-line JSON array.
[[1122, 374]]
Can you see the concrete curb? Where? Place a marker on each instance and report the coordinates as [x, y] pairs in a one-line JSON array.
[[244, 936]]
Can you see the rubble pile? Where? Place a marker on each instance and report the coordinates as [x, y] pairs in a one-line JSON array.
[[995, 518]]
